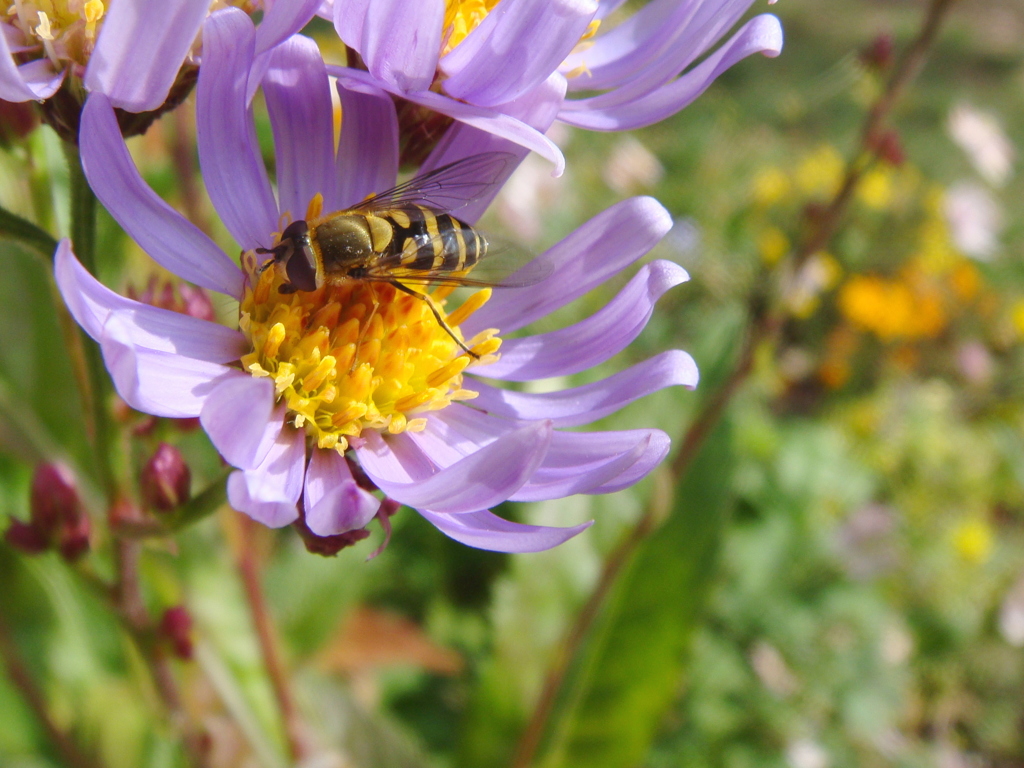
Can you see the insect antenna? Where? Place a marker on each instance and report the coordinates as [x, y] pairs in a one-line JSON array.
[[437, 316]]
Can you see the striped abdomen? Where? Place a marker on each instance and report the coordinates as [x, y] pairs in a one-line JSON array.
[[427, 241]]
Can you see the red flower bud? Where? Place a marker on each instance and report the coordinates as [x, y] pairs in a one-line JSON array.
[[73, 538], [888, 147], [176, 627], [17, 120], [26, 537], [879, 54], [54, 498], [166, 480]]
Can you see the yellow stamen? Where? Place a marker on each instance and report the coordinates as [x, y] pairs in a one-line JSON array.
[[355, 355], [316, 207]]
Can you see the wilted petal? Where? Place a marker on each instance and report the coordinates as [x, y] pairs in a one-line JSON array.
[[298, 98], [232, 167], [156, 382], [334, 503], [591, 341], [485, 530], [599, 249], [163, 233], [514, 49], [762, 34], [368, 146], [480, 480], [140, 48], [587, 403], [92, 304], [270, 493], [240, 417], [399, 40]]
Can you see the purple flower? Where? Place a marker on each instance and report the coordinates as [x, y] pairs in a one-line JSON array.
[[131, 51], [359, 366], [481, 61]]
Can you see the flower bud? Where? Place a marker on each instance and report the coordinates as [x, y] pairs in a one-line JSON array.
[[54, 498], [166, 480], [888, 147], [176, 628], [73, 538], [879, 54], [17, 120], [26, 537]]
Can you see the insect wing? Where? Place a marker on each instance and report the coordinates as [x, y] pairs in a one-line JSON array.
[[505, 265], [448, 188]]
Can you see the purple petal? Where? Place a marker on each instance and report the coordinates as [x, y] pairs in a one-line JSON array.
[[649, 68], [489, 120], [599, 249], [576, 462], [241, 419], [368, 147], [92, 304], [606, 7], [600, 475], [34, 81], [485, 530], [157, 382], [232, 168], [282, 20], [162, 232], [480, 480], [140, 48], [592, 341], [399, 40], [270, 493], [538, 109], [587, 403], [762, 34], [514, 49], [334, 503], [298, 98]]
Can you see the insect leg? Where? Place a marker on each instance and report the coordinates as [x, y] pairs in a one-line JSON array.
[[437, 316], [366, 326]]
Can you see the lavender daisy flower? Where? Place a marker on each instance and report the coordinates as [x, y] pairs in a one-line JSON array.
[[357, 369], [478, 60], [131, 50]]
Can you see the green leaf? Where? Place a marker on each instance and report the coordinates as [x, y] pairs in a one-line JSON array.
[[633, 664]]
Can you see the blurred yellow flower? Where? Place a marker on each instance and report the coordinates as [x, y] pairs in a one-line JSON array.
[[965, 280], [973, 541], [892, 309], [876, 188], [772, 244], [820, 172], [1017, 316], [770, 186]]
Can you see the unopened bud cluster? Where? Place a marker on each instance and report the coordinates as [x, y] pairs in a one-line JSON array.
[[57, 519], [166, 480]]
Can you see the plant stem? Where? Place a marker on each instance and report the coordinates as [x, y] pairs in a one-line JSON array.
[[266, 635], [19, 675], [136, 619], [83, 238], [24, 231], [763, 327]]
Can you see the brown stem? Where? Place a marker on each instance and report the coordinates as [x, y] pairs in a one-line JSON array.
[[19, 674], [762, 327], [266, 635], [906, 70], [136, 619]]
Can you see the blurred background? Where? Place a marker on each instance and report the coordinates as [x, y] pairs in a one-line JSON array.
[[840, 579]]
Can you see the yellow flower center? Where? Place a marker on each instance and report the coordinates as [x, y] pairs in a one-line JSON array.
[[357, 355]]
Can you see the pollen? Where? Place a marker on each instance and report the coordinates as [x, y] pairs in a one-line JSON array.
[[357, 355]]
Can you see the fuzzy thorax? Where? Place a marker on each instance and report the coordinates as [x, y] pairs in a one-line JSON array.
[[357, 355]]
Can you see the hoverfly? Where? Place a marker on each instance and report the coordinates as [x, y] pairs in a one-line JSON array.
[[407, 235]]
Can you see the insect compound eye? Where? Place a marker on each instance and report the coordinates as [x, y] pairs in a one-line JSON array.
[[297, 232], [300, 269]]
